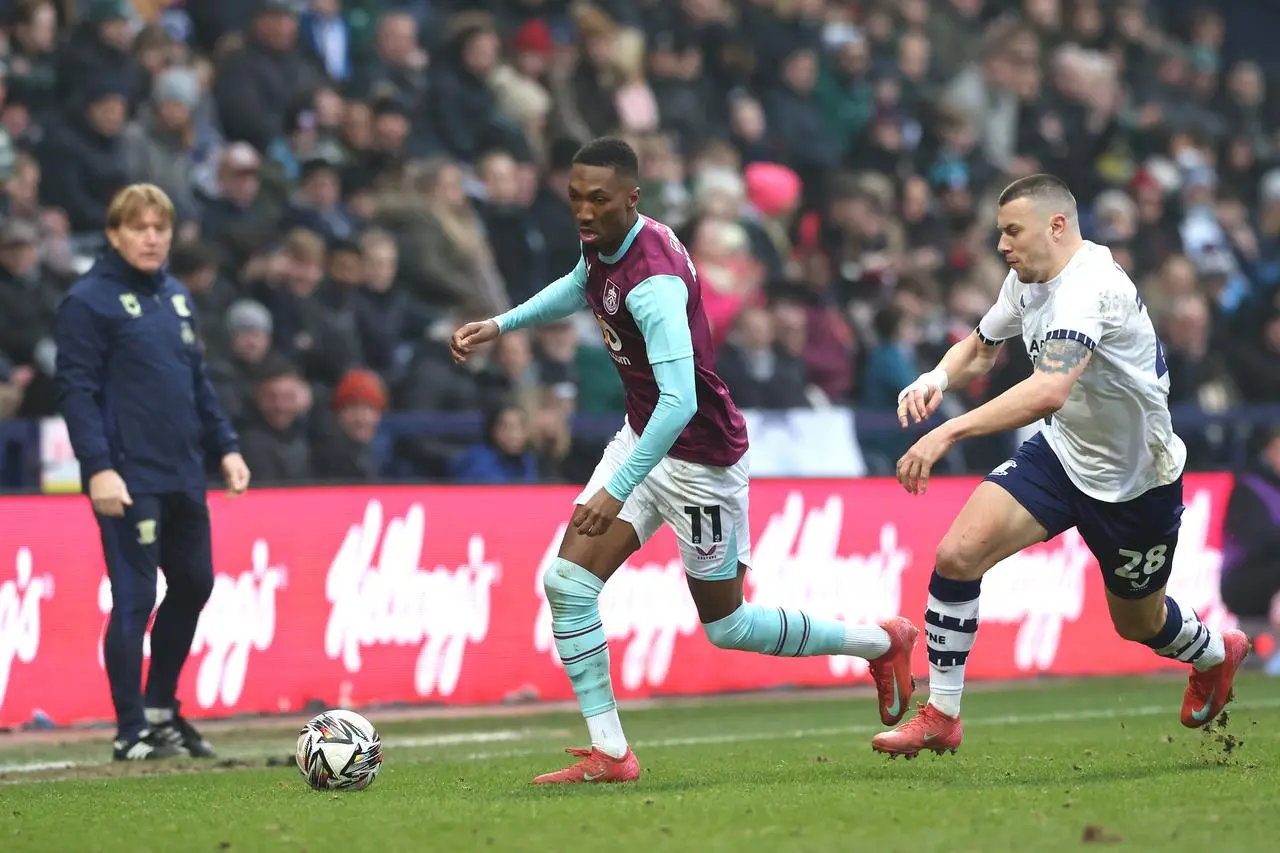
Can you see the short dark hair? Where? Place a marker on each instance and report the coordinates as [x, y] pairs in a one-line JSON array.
[[1034, 187], [1040, 188], [273, 367], [191, 258], [612, 153]]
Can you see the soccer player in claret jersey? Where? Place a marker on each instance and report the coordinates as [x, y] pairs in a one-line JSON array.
[[679, 459], [1106, 461]]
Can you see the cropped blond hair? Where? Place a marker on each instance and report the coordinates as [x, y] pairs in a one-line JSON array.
[[133, 200]]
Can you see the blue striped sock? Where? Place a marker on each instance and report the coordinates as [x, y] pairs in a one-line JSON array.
[[1184, 637], [950, 627]]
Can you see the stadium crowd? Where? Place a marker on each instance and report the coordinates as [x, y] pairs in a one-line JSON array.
[[356, 177]]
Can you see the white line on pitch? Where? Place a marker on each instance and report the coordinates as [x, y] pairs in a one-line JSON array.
[[508, 736], [1006, 720]]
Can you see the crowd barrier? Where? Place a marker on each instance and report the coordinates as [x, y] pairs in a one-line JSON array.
[[37, 454], [363, 596]]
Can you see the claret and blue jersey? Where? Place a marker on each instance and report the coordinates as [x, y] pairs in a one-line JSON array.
[[647, 300]]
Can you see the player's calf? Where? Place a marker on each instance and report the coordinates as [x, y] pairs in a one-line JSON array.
[[572, 596], [780, 632], [1214, 657]]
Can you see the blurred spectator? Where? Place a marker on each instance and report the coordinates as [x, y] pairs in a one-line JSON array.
[[260, 80], [100, 48], [353, 179], [248, 329], [760, 374], [32, 76], [359, 401], [29, 296], [392, 320], [503, 456], [83, 155], [317, 205], [461, 105], [322, 341], [1251, 540], [163, 146], [235, 215], [195, 264], [445, 261], [13, 386], [510, 229], [273, 432], [326, 37]]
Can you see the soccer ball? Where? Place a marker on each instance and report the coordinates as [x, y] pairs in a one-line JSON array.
[[339, 751]]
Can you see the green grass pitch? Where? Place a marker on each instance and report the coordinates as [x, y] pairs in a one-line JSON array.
[[1050, 766]]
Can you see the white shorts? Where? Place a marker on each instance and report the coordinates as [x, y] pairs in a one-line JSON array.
[[706, 507]]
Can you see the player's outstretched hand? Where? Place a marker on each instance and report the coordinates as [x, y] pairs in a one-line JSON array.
[[467, 338], [595, 516], [915, 465], [918, 404]]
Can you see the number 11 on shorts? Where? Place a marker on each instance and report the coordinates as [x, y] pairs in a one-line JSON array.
[[695, 514]]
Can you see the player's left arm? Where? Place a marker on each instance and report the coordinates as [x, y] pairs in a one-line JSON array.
[[658, 305], [1041, 394], [1082, 316]]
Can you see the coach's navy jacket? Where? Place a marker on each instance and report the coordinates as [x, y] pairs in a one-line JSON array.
[[131, 380]]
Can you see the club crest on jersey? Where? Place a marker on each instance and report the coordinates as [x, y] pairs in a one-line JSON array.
[[610, 297]]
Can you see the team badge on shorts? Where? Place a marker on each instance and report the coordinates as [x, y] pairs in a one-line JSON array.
[[610, 297]]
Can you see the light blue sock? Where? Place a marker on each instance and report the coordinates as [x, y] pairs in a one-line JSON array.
[[572, 593], [794, 633]]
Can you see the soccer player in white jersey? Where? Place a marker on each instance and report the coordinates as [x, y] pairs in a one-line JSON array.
[[1106, 461]]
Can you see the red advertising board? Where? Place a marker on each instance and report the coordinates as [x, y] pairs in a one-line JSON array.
[[358, 596]]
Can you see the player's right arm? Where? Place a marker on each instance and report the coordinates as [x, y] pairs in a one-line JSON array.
[[562, 298], [81, 358], [966, 361]]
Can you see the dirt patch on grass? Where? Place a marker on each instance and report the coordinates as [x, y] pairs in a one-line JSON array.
[[139, 769]]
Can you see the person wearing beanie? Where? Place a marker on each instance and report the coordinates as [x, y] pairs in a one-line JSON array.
[[160, 145], [359, 401]]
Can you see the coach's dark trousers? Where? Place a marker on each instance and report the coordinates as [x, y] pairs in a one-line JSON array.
[[159, 531]]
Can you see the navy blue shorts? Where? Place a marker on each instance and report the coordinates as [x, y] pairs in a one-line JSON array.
[[1133, 541]]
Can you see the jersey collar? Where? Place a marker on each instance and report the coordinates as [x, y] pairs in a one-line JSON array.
[[626, 244]]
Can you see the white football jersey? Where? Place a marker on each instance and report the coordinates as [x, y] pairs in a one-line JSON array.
[[1114, 436]]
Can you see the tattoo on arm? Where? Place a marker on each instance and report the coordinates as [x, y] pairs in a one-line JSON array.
[[1061, 356]]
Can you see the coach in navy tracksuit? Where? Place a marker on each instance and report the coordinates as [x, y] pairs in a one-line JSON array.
[[142, 418]]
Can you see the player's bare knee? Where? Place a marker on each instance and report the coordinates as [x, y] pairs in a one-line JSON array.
[[958, 560]]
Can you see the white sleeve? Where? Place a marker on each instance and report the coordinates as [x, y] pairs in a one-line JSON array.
[[1003, 320], [1084, 311]]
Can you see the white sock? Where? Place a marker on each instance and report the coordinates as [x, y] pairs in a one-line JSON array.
[[1195, 643], [156, 716], [950, 629], [606, 733], [868, 643]]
